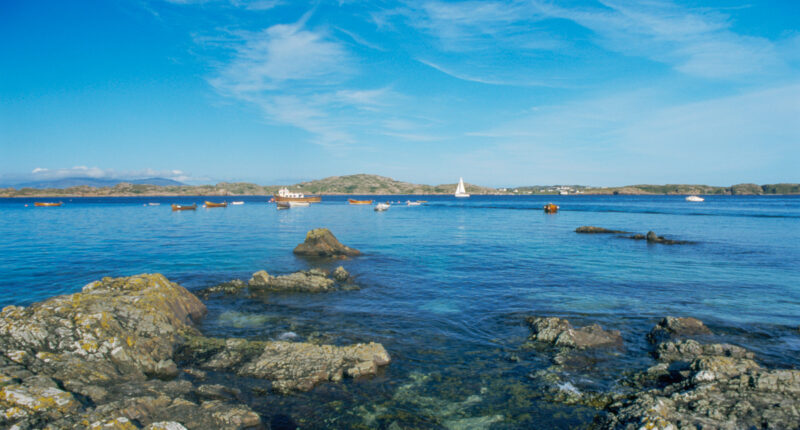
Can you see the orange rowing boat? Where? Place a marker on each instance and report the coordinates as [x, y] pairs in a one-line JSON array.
[[359, 202], [216, 205], [550, 208], [184, 207], [47, 204]]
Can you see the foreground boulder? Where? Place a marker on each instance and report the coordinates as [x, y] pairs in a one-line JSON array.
[[290, 366], [589, 229], [96, 359], [672, 327], [321, 242], [559, 332]]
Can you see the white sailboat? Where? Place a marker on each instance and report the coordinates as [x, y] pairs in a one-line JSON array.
[[460, 190]]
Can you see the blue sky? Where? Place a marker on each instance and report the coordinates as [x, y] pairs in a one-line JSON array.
[[604, 92]]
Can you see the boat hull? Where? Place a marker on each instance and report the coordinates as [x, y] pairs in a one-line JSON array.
[[359, 202], [46, 205], [309, 199], [216, 205], [184, 208]]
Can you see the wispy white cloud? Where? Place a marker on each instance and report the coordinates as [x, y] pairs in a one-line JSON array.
[[697, 42]]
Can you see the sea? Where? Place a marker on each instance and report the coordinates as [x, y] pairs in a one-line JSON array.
[[446, 287]]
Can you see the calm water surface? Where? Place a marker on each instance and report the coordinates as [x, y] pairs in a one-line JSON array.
[[445, 287]]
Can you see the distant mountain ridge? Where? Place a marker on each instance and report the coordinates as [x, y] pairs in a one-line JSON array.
[[364, 184], [94, 182]]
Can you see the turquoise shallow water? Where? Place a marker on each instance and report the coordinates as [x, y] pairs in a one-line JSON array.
[[445, 286]]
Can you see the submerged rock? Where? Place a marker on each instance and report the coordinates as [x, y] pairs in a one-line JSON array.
[[229, 288], [672, 327], [559, 332], [321, 242], [597, 230], [688, 350]]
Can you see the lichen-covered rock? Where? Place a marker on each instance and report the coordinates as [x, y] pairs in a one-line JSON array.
[[230, 288], [672, 327], [559, 332], [721, 388], [321, 242], [589, 229], [341, 275], [309, 281], [115, 329], [291, 366]]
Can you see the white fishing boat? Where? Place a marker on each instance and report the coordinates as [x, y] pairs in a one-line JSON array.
[[380, 207], [694, 199], [237, 203], [461, 191]]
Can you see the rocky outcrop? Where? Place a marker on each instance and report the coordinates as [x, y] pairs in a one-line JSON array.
[[724, 391], [321, 242], [559, 332], [96, 359], [689, 350], [673, 327], [110, 357], [589, 229], [290, 366]]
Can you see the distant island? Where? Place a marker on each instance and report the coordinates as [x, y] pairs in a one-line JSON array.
[[371, 184]]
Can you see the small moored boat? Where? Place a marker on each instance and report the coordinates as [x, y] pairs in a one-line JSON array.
[[695, 199], [153, 204], [282, 205], [550, 208], [284, 195], [410, 203], [298, 204], [216, 205], [47, 204], [380, 207], [237, 203], [184, 207], [359, 202]]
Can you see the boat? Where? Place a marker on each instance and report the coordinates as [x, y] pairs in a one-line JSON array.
[[282, 205], [380, 207], [359, 202], [550, 208], [410, 203], [216, 205], [461, 191], [153, 204], [284, 195], [184, 207], [695, 199], [47, 204], [298, 204], [237, 203]]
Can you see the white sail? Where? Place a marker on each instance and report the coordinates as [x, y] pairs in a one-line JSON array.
[[461, 191]]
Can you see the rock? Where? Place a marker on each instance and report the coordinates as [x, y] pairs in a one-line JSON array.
[[310, 281], [218, 392], [559, 332], [597, 230], [340, 274], [321, 242], [672, 327], [291, 366], [230, 288], [689, 350], [165, 425], [652, 237], [715, 391]]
